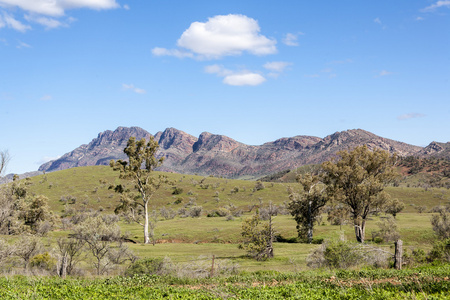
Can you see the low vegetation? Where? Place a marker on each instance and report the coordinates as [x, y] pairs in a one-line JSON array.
[[220, 238]]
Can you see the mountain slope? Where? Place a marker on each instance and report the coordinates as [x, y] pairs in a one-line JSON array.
[[213, 154]]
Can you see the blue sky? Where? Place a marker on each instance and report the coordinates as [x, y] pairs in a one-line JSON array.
[[253, 70]]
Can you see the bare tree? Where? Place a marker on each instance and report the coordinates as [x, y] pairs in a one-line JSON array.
[[70, 251], [26, 248], [4, 160], [97, 236]]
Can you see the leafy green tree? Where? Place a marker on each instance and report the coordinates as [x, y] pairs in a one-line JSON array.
[[21, 212], [338, 214], [357, 179], [35, 211], [142, 161], [306, 205], [257, 237], [394, 206]]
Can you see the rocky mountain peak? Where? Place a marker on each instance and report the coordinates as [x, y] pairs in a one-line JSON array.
[[214, 154], [118, 136], [214, 142], [172, 137]]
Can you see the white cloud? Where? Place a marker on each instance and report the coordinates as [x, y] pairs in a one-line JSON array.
[[133, 88], [384, 73], [49, 23], [378, 21], [219, 70], [11, 22], [126, 7], [22, 45], [57, 8], [236, 78], [341, 62], [46, 97], [277, 66], [225, 35], [410, 116], [45, 12], [291, 39], [438, 4], [420, 19], [249, 78], [171, 52]]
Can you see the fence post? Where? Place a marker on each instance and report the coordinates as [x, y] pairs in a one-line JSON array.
[[398, 254], [212, 267]]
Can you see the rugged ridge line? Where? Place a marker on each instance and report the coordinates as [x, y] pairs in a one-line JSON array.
[[219, 155]]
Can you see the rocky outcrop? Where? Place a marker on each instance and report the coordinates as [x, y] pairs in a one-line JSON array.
[[108, 145], [435, 149], [213, 154]]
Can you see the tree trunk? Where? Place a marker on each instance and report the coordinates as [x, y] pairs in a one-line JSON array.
[[310, 234], [360, 230], [310, 225], [146, 238], [62, 272]]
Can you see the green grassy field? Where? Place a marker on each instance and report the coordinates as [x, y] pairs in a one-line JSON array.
[[184, 239], [197, 241]]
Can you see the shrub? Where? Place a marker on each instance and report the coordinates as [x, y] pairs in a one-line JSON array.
[[167, 214], [147, 266], [441, 224], [342, 254], [220, 212], [440, 251], [43, 261], [177, 190], [195, 211], [259, 186], [421, 208], [388, 231]]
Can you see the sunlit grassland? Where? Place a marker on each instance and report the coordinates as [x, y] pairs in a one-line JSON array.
[[184, 239]]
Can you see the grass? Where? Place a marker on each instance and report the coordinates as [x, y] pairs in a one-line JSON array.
[[184, 239]]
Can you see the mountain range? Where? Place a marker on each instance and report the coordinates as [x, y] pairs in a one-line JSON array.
[[219, 155]]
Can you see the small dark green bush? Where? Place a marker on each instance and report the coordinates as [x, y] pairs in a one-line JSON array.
[[147, 266], [177, 191]]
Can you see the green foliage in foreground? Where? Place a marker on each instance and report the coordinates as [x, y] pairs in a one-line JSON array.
[[420, 283]]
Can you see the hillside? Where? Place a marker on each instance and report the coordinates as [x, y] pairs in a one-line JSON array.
[[219, 155]]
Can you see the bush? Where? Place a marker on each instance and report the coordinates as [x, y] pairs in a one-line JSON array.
[[343, 255], [167, 214], [147, 266], [220, 212], [195, 211], [440, 251], [43, 261], [441, 224], [388, 231], [259, 186], [177, 191]]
